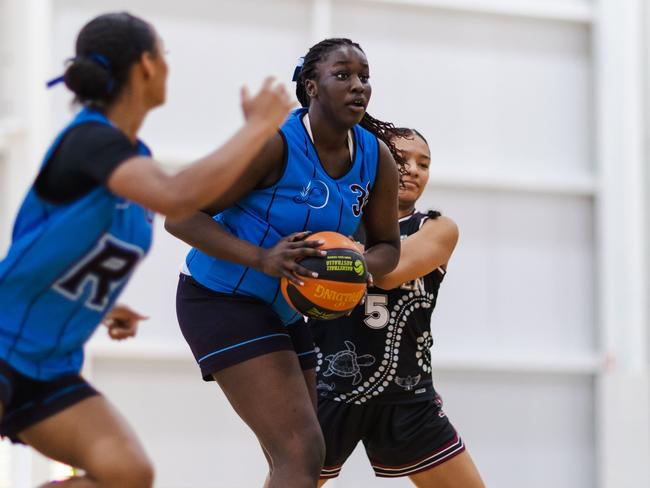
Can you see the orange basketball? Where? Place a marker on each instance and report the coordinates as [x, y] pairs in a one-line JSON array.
[[341, 281]]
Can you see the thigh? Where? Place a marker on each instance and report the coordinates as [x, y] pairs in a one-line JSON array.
[[303, 343], [458, 472], [31, 401], [310, 382], [86, 436], [224, 330], [270, 394]]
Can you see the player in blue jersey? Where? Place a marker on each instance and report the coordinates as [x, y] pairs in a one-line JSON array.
[[329, 167], [81, 230], [388, 402]]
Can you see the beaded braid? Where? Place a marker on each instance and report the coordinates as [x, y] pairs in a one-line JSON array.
[[385, 131]]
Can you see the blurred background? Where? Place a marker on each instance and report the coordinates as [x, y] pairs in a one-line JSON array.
[[535, 114]]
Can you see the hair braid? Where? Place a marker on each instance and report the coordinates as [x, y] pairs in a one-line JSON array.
[[385, 131]]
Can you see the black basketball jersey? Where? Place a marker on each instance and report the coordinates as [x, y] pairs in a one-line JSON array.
[[381, 352]]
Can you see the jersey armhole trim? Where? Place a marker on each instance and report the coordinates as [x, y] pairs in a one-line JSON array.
[[285, 164], [374, 176]]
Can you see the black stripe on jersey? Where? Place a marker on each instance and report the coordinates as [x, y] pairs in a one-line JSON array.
[[243, 275], [268, 228], [304, 226], [58, 339], [338, 226], [48, 286], [25, 251], [277, 293], [268, 209]]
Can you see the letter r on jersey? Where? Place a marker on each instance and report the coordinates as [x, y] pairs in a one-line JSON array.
[[104, 268]]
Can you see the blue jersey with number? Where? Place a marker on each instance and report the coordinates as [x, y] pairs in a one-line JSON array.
[[65, 268], [305, 198]]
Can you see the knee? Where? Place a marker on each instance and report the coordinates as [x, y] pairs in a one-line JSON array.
[[141, 474], [130, 468], [304, 451]]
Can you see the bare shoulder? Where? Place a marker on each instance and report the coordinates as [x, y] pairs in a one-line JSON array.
[[272, 152], [384, 152], [268, 165], [386, 165]]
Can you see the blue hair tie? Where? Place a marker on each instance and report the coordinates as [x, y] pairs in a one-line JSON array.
[[298, 69], [101, 60], [98, 59]]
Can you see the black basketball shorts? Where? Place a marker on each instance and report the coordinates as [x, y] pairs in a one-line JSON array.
[[26, 401], [223, 329], [400, 439]]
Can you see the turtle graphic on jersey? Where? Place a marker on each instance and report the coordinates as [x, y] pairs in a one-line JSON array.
[[347, 364]]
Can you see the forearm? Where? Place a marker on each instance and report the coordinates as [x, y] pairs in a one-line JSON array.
[[382, 258], [429, 248], [205, 234], [210, 177]]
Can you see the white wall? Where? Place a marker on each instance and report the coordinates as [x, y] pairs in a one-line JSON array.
[[506, 93]]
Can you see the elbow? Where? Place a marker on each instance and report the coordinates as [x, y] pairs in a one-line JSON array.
[[393, 258], [178, 207], [382, 283], [383, 278]]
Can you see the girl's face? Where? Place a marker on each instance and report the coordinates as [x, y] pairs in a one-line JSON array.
[[418, 157], [157, 70], [342, 87]]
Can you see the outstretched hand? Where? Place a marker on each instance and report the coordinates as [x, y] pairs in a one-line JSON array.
[[282, 259], [270, 105], [122, 322]]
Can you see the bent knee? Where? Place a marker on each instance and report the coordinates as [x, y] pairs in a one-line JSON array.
[[304, 450], [126, 468]]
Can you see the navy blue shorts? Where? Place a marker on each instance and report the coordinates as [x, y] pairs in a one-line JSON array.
[[26, 401], [223, 329], [401, 439]]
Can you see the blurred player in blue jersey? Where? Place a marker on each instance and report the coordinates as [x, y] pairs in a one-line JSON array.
[[330, 166], [388, 401], [82, 229]]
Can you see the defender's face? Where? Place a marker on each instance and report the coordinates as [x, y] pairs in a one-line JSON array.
[[159, 69], [418, 158]]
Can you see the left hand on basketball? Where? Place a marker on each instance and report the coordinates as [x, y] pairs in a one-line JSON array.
[[122, 322]]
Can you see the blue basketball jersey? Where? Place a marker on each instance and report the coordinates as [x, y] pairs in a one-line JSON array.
[[65, 268], [305, 198]]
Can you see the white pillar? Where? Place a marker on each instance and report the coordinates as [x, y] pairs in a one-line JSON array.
[[31, 40], [321, 20], [28, 25], [623, 429]]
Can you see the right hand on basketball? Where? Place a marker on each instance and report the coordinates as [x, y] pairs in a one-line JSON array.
[[282, 259], [269, 106]]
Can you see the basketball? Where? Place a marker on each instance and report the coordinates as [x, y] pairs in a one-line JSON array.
[[341, 281]]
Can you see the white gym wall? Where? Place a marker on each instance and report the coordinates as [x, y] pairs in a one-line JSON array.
[[534, 113]]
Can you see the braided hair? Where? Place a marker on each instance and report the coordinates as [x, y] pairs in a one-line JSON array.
[[385, 131]]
